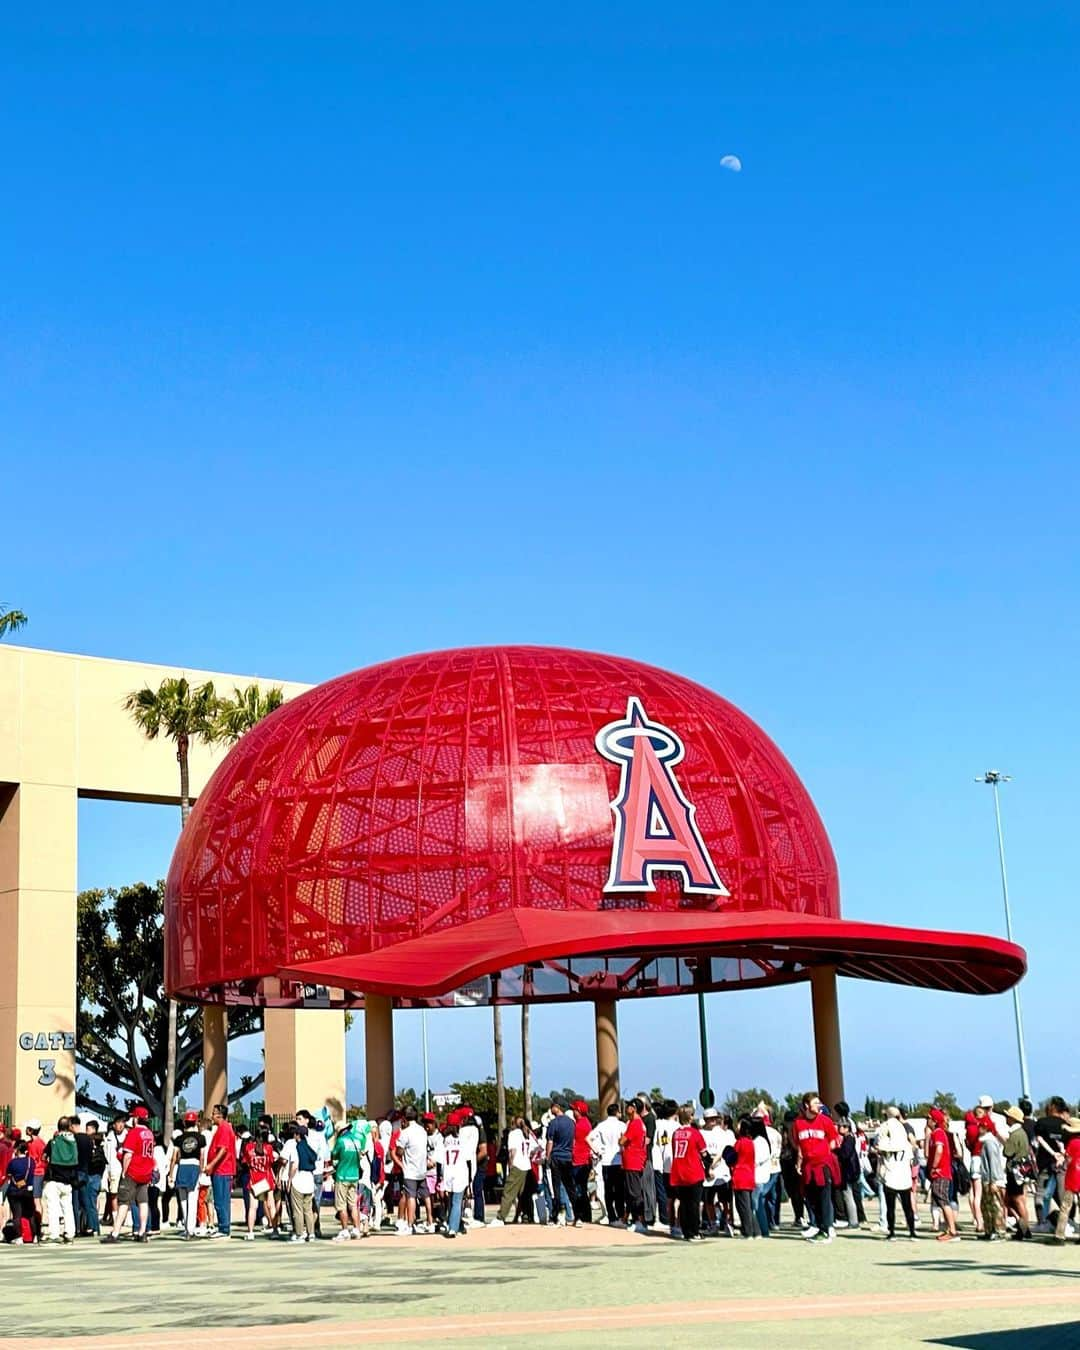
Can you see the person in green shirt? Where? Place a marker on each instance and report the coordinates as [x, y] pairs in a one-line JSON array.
[[350, 1159]]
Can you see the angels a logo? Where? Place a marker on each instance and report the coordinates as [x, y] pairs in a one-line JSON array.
[[655, 830]]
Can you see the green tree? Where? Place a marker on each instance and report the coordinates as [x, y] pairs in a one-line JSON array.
[[11, 620], [182, 714], [741, 1102], [235, 716], [946, 1101], [484, 1098], [122, 1015]]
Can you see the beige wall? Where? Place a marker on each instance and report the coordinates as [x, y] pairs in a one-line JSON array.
[[62, 722], [64, 734]]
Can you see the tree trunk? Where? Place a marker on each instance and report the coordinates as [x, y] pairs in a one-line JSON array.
[[500, 1076], [526, 1062], [170, 1048]]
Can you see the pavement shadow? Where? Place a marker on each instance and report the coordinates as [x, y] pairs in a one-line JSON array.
[[1059, 1335], [1001, 1268]]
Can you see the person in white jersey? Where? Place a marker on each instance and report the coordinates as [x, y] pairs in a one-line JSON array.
[[518, 1167], [604, 1142]]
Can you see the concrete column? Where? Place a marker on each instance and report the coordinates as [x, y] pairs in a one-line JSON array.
[[830, 1068], [305, 1060], [38, 847], [215, 1040], [607, 1053], [378, 1053]]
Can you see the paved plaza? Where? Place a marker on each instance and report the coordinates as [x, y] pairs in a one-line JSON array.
[[513, 1286]]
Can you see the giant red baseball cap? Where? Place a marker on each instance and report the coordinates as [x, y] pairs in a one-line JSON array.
[[504, 824]]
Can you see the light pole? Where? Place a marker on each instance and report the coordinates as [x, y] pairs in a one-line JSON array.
[[993, 777], [423, 1036], [706, 1098]]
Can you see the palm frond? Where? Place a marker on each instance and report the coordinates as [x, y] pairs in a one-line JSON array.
[[11, 620]]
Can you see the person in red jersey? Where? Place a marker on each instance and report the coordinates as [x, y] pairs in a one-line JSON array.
[[581, 1158], [35, 1151], [259, 1158], [136, 1154], [743, 1178], [1070, 1134], [939, 1167], [688, 1173], [817, 1139], [221, 1165], [632, 1143]]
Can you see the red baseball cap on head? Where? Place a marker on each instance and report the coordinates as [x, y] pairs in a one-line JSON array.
[[428, 1115], [190, 1117], [582, 1108], [140, 1113], [937, 1115]]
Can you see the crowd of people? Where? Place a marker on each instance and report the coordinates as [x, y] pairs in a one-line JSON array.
[[652, 1167]]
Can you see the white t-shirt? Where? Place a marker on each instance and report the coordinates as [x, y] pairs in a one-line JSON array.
[[716, 1138], [111, 1146], [303, 1183], [413, 1142], [455, 1176], [662, 1144], [604, 1139], [776, 1143], [434, 1150], [762, 1161], [519, 1151], [469, 1143]]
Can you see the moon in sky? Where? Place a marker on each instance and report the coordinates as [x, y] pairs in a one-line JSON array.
[[732, 162]]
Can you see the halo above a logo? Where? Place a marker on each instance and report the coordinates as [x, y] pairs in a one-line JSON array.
[[655, 829]]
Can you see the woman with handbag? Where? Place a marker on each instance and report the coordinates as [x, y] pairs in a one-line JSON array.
[[260, 1160], [19, 1177], [1019, 1171]]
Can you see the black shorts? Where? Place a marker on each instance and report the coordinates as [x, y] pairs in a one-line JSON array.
[[130, 1192]]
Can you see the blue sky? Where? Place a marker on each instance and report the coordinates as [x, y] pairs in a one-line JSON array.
[[326, 344]]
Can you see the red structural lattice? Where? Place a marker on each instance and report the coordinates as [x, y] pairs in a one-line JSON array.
[[422, 824]]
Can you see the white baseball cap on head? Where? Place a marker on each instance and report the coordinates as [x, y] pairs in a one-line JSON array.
[[986, 1101], [33, 1124]]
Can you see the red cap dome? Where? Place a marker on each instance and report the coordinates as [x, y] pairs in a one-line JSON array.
[[573, 823]]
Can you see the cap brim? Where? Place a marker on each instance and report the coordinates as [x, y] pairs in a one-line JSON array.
[[786, 946]]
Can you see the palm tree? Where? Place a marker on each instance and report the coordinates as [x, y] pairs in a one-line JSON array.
[[239, 714], [182, 714], [11, 620]]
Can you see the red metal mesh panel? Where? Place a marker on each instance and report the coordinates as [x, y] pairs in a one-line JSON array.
[[428, 792]]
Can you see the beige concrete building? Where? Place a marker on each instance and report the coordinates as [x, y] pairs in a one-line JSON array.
[[64, 734]]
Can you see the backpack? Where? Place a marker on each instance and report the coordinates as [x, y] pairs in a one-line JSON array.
[[98, 1161], [306, 1156], [63, 1151], [961, 1175]]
